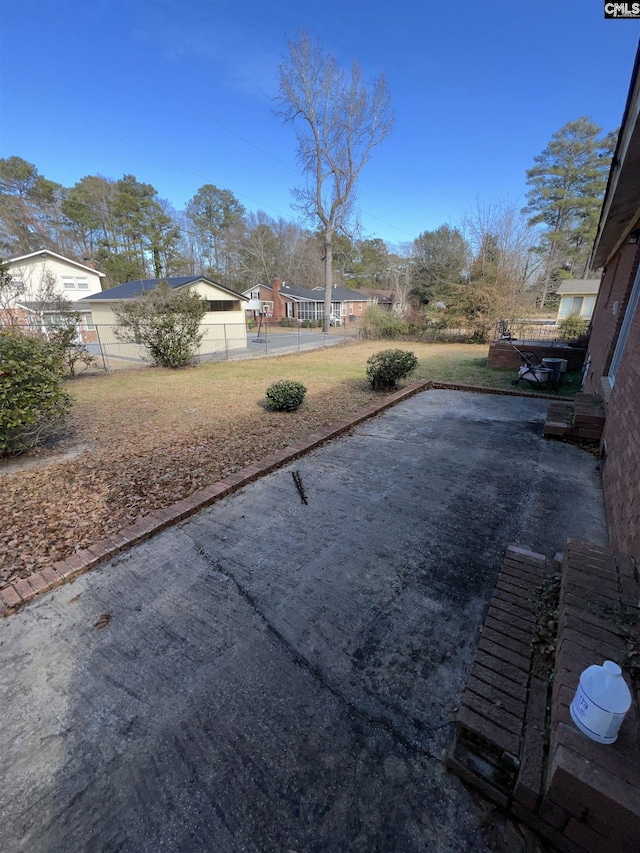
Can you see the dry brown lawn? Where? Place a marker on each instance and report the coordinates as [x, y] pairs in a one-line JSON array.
[[144, 439]]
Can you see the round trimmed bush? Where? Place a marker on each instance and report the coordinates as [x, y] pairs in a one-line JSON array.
[[386, 367], [285, 395]]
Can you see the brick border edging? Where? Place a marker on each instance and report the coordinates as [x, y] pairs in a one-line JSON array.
[[18, 593]]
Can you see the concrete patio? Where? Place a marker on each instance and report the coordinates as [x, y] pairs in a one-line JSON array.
[[274, 675]]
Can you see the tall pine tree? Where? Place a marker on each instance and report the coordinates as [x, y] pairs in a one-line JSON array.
[[567, 185]]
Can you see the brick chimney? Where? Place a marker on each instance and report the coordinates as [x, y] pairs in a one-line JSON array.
[[89, 263], [278, 301]]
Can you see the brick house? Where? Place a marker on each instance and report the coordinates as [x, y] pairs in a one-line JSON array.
[[612, 368], [292, 302]]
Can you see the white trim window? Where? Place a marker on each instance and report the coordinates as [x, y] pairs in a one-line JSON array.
[[632, 307], [75, 282]]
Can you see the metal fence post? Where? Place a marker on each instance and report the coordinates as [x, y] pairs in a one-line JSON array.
[[104, 363]]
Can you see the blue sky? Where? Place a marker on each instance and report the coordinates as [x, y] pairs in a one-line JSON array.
[[181, 94]]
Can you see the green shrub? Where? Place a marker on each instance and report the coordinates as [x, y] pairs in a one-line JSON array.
[[166, 322], [572, 327], [285, 395], [378, 323], [33, 404], [386, 367]]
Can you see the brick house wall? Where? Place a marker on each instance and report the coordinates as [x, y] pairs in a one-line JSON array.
[[621, 475], [621, 436], [608, 315], [352, 309]]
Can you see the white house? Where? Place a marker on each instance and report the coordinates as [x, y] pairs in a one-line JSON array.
[[223, 326], [578, 298], [67, 277], [39, 277]]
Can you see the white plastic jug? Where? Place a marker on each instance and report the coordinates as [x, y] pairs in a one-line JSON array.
[[601, 702]]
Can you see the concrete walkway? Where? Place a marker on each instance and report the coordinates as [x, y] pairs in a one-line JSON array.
[[272, 675]]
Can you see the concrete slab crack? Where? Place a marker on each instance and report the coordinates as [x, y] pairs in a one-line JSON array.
[[317, 674]]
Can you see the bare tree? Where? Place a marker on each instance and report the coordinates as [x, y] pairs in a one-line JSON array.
[[339, 120], [498, 283], [400, 277]]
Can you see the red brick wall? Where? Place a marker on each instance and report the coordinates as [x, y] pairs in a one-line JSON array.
[[505, 356], [273, 295], [621, 476], [615, 288]]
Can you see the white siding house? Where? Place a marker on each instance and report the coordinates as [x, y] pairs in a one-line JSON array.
[[223, 326], [67, 277], [578, 298], [40, 277]]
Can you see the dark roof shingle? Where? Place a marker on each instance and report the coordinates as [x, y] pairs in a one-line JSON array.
[[140, 285]]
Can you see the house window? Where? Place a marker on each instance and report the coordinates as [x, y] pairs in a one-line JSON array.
[[360, 307], [289, 309], [310, 310], [632, 307], [306, 311], [223, 305], [576, 305], [588, 306], [71, 282]]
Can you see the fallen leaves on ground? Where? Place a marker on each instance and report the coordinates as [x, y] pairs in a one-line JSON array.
[[146, 450]]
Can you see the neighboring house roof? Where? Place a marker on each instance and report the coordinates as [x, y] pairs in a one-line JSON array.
[[44, 252], [130, 289], [284, 291], [620, 206], [343, 294], [37, 306], [583, 286], [303, 294], [377, 293]]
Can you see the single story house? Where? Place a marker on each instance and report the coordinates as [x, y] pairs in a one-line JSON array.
[[41, 276], [284, 301], [578, 298], [223, 325], [612, 367]]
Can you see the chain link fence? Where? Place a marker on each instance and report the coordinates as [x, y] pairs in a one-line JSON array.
[[223, 342]]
